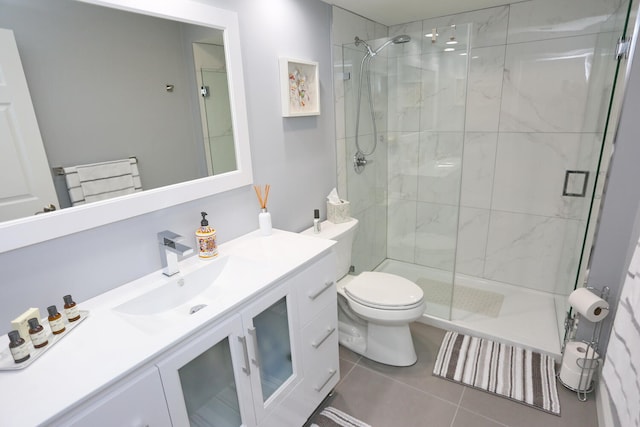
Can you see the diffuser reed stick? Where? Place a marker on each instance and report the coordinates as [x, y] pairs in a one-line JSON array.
[[258, 190], [264, 217]]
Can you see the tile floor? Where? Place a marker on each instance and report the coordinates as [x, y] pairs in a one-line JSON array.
[[386, 396]]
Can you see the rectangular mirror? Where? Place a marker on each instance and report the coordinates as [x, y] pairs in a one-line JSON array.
[[158, 83]]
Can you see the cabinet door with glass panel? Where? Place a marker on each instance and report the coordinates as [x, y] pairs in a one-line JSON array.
[[207, 379], [272, 336]]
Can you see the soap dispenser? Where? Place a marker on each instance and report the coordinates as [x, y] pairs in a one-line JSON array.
[[206, 238]]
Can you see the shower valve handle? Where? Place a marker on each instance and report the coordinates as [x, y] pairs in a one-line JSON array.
[[360, 161]]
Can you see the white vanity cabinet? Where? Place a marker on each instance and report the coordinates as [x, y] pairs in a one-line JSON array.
[[272, 331], [316, 301], [138, 401], [206, 379], [263, 354], [248, 370]]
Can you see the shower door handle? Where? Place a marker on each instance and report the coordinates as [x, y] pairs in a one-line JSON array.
[[571, 178]]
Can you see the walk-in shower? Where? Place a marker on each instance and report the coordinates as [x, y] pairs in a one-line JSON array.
[[359, 158], [488, 151]]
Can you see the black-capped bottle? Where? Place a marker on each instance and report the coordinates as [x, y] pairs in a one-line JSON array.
[[56, 321], [70, 309], [18, 347], [37, 334]]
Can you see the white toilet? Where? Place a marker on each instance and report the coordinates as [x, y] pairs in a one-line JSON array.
[[374, 309]]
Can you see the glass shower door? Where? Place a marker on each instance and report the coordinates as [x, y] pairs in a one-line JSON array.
[[219, 144], [407, 196], [605, 101], [366, 190], [444, 72]]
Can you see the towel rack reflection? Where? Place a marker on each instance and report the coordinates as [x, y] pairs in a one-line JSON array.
[[59, 170]]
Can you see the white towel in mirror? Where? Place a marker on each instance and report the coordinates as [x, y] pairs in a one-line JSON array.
[[104, 180]]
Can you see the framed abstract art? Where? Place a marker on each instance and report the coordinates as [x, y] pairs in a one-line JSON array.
[[300, 88]]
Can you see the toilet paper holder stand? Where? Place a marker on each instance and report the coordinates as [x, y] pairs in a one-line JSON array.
[[592, 359]]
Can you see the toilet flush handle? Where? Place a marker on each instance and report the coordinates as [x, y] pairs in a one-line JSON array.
[[316, 294]]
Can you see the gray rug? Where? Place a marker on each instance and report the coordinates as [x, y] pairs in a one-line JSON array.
[[508, 371], [332, 417]]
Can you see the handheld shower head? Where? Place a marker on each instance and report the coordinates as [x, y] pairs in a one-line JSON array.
[[395, 40], [403, 38]]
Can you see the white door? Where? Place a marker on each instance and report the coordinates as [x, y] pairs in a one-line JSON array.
[[26, 186]]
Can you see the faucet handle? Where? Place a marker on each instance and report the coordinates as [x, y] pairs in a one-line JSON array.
[[166, 236]]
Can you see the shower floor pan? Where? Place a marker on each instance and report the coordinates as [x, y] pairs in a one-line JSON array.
[[488, 309]]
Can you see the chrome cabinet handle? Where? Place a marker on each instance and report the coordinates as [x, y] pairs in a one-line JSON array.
[[316, 294], [247, 368], [256, 359], [331, 374], [317, 344]]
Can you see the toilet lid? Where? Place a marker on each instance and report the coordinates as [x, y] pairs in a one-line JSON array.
[[383, 290]]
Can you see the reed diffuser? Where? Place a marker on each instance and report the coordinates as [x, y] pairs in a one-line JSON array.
[[264, 217]]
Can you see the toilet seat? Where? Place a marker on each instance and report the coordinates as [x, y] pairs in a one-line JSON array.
[[384, 291]]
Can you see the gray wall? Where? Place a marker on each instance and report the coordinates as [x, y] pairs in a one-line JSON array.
[[620, 218], [295, 155]]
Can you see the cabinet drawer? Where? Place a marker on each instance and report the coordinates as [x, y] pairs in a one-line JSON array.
[[316, 287], [320, 352], [318, 334], [321, 362], [138, 402]]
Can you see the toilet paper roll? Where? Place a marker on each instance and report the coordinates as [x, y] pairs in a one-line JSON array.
[[589, 305], [576, 356], [575, 380]]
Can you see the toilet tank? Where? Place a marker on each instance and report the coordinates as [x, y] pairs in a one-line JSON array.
[[343, 234]]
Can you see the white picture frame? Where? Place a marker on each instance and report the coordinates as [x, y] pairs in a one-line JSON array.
[[300, 87]]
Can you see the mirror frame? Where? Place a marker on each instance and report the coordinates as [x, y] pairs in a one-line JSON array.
[[15, 234]]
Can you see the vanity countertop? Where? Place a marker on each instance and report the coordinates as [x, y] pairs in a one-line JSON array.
[[105, 347]]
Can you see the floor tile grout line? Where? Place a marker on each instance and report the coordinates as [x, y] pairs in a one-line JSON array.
[[485, 417], [342, 378], [476, 413], [455, 415], [407, 385]]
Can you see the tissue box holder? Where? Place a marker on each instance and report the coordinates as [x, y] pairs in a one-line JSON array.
[[338, 212]]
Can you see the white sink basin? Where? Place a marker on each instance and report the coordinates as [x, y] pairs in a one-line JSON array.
[[178, 297]]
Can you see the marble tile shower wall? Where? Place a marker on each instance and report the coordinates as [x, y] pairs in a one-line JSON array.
[[499, 140], [367, 192]]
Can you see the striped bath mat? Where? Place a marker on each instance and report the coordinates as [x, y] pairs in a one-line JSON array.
[[332, 417], [512, 372]]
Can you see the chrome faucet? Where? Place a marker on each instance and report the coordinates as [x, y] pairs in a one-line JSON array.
[[170, 250]]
